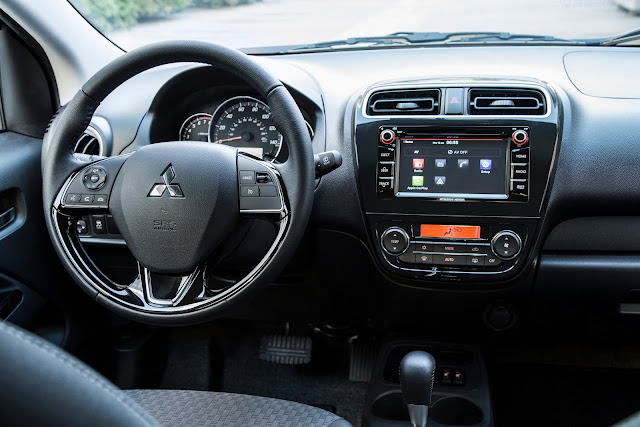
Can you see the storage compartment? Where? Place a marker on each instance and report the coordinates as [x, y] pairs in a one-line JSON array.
[[455, 411], [446, 411]]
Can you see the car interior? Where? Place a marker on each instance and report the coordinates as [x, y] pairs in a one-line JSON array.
[[397, 230]]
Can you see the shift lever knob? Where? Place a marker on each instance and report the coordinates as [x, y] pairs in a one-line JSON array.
[[417, 373]]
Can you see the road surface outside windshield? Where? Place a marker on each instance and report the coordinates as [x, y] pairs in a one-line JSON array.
[[283, 22]]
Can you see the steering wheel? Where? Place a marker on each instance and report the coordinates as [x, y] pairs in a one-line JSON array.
[[176, 203]]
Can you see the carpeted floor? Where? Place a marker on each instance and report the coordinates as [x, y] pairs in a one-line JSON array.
[[323, 383]]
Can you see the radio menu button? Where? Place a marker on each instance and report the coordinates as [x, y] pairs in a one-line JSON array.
[[521, 172]]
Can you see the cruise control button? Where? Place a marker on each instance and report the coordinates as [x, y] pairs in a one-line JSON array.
[[450, 247], [268, 191], [450, 259], [72, 198], [249, 191], [99, 224], [247, 177], [385, 185], [424, 259], [520, 155], [475, 261], [385, 170]]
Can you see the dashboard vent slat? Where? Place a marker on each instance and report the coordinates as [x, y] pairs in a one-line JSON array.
[[89, 143], [406, 102], [507, 102]]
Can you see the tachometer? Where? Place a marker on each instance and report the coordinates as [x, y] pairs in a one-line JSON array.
[[246, 123], [196, 128]]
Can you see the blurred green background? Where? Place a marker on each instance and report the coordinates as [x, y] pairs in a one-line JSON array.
[[108, 15]]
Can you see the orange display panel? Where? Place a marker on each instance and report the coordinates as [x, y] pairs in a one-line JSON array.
[[450, 231]]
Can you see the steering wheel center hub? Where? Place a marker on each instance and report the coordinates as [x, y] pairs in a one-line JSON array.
[[175, 202]]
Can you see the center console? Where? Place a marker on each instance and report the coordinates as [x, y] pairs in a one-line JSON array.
[[453, 175]]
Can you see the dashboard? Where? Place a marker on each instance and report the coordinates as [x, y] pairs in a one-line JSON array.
[[450, 182]]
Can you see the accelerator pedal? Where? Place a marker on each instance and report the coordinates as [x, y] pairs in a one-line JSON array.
[[362, 357], [285, 350]]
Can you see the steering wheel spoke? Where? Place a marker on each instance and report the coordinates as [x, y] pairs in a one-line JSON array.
[[261, 189], [148, 286], [88, 190]]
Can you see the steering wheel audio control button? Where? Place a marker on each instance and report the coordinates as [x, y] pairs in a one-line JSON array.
[[506, 244], [94, 178], [395, 241]]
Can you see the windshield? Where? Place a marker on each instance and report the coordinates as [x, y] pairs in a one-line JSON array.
[[258, 23]]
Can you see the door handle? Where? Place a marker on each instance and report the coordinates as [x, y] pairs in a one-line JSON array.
[[7, 217]]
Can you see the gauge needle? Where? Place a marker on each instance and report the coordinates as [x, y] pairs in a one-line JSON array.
[[228, 139]]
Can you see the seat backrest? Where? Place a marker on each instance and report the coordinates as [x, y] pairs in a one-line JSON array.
[[42, 385]]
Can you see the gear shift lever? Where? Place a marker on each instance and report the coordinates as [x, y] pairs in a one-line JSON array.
[[417, 372]]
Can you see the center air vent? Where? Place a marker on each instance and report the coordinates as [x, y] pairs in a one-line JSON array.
[[90, 143], [506, 102], [404, 102]]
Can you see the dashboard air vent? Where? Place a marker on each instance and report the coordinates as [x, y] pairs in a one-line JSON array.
[[404, 102], [506, 102], [90, 143]]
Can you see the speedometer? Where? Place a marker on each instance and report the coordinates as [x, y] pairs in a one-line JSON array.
[[246, 123]]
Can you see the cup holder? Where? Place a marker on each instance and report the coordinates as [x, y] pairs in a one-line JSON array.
[[455, 411], [448, 411], [391, 406]]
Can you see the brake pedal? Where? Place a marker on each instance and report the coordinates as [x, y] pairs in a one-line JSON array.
[[285, 350]]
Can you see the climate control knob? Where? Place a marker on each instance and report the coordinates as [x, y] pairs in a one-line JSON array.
[[387, 136], [506, 244], [395, 241]]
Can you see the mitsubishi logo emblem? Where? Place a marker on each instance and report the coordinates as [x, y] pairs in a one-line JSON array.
[[158, 189]]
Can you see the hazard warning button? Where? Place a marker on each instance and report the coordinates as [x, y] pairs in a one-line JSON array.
[[454, 100]]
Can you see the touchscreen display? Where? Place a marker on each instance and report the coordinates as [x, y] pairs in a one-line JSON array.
[[471, 167]]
